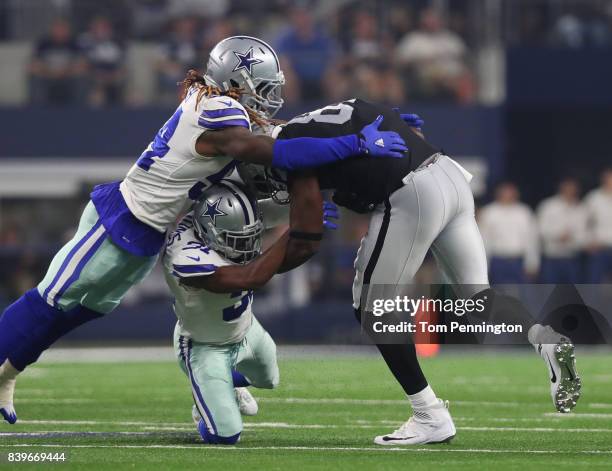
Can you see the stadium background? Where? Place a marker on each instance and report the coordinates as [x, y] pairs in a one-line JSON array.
[[517, 90]]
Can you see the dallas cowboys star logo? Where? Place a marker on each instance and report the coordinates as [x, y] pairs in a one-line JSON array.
[[246, 61], [212, 211]]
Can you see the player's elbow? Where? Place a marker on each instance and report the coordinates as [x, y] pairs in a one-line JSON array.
[[254, 277], [236, 148], [248, 147]]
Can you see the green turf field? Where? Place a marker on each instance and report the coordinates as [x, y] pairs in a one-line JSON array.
[[324, 416]]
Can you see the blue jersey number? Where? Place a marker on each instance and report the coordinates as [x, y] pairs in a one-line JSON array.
[[235, 311], [159, 147]]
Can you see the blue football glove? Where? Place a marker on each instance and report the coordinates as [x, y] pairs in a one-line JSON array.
[[411, 119], [330, 211], [377, 143]]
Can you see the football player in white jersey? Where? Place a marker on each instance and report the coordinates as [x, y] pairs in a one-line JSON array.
[[123, 228], [212, 264]]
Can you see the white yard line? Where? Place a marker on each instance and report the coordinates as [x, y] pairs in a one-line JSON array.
[[205, 449], [166, 353], [536, 429], [100, 422], [152, 426], [52, 401], [578, 415], [599, 405], [298, 400], [46, 433], [342, 400], [555, 418], [347, 401]]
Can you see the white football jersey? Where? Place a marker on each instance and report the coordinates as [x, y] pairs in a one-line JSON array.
[[170, 174], [213, 318]]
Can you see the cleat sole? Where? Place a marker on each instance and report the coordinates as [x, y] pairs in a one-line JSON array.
[[568, 393]]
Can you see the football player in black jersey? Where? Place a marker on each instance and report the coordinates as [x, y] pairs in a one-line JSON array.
[[417, 203]]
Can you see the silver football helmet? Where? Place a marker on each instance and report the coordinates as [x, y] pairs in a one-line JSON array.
[[266, 182], [227, 219], [251, 64]]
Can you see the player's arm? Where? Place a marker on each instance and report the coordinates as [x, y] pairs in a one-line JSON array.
[[302, 152], [253, 275], [305, 220], [295, 247]]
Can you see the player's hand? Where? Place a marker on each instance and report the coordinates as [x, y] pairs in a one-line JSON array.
[[376, 143], [330, 212], [411, 119]]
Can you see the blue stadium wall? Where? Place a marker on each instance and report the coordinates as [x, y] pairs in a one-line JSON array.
[[558, 117]]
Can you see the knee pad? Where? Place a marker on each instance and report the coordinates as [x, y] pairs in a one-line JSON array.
[[213, 439]]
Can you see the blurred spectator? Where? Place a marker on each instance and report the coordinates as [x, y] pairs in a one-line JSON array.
[[569, 31], [583, 26], [562, 223], [215, 32], [434, 58], [305, 52], [377, 82], [365, 41], [510, 234], [365, 70], [202, 8], [179, 53], [598, 205], [105, 56], [401, 20], [55, 66]]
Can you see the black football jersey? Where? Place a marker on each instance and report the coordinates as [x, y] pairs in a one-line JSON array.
[[370, 180]]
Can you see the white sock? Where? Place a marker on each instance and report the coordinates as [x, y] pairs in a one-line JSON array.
[[423, 399], [533, 334], [542, 334]]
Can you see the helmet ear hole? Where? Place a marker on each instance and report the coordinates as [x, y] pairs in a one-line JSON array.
[[234, 84]]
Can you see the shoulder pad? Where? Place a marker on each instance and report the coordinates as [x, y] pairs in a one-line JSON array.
[[219, 112]]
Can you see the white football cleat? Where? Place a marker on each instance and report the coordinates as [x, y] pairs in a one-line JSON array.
[[246, 402], [431, 425], [8, 375], [558, 353]]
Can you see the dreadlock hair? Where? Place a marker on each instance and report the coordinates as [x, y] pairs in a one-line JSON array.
[[194, 78]]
